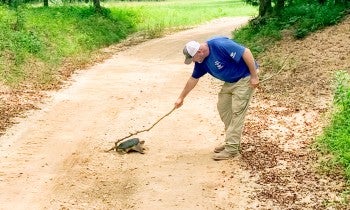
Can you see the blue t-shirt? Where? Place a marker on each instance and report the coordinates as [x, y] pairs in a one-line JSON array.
[[225, 61]]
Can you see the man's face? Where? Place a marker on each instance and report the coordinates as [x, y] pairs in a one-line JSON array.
[[198, 57]]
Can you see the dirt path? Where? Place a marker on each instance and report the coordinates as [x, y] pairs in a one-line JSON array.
[[54, 158]]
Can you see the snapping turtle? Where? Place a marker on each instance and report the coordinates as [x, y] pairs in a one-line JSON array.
[[130, 145]]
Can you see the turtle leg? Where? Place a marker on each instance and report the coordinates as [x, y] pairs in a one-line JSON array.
[[138, 148], [121, 151], [127, 150]]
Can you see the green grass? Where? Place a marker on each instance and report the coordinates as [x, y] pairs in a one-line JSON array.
[[301, 19], [336, 137], [307, 18], [157, 16], [35, 41]]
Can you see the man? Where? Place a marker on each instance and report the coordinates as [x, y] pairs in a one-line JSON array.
[[234, 64]]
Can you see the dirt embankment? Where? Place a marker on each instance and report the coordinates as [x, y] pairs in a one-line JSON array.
[[287, 115], [54, 158]]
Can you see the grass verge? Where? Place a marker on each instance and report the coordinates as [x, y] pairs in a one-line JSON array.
[[155, 17], [36, 42], [299, 19], [336, 136]]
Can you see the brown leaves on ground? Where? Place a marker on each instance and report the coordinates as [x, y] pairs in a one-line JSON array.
[[13, 103], [288, 113]]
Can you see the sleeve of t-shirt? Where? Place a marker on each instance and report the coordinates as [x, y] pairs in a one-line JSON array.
[[233, 50], [198, 71]]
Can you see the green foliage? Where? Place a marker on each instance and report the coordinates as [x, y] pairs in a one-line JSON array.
[[45, 37], [155, 17], [77, 28], [307, 18], [342, 90], [252, 2], [15, 44], [300, 17], [336, 137], [35, 41], [259, 36]]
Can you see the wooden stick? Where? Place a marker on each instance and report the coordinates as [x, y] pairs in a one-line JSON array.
[[167, 114], [137, 132], [279, 71]]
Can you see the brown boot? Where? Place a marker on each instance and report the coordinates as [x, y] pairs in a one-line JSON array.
[[219, 148], [224, 155]]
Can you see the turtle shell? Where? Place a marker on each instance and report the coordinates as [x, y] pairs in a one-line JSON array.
[[128, 144]]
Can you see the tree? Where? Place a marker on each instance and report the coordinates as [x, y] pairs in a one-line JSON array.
[[279, 5], [265, 8], [97, 5], [46, 3]]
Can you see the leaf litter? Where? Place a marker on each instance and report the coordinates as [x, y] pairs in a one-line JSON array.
[[286, 115]]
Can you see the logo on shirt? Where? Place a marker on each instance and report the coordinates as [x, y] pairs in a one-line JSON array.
[[218, 65], [233, 54]]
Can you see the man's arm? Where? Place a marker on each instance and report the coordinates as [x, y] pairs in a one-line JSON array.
[[249, 60], [191, 83]]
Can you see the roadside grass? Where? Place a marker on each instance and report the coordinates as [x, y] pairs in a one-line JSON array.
[[159, 17], [335, 139], [36, 41], [299, 19]]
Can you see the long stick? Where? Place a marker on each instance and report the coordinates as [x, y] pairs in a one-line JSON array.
[[279, 71], [167, 114], [137, 132]]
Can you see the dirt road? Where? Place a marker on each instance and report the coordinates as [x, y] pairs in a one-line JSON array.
[[54, 158]]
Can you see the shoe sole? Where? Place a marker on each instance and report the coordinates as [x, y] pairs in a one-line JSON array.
[[218, 159], [225, 158], [218, 150]]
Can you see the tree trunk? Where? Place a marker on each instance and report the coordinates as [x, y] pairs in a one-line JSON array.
[[97, 5], [280, 4], [279, 7], [265, 8], [46, 3]]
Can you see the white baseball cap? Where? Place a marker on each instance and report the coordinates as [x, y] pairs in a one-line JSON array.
[[190, 50]]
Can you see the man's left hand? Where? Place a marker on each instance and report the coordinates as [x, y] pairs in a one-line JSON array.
[[254, 82]]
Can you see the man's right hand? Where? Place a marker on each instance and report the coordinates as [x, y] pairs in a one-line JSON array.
[[179, 103], [191, 83]]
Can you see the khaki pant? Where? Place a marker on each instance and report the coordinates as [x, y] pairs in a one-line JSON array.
[[233, 102]]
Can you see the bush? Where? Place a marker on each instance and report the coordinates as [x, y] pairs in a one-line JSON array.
[[307, 18], [300, 17]]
